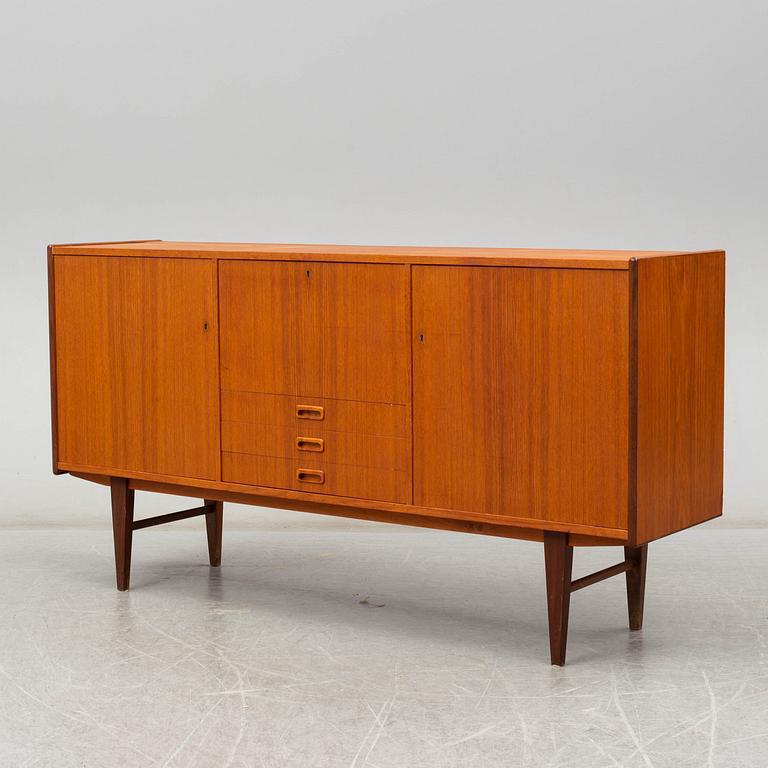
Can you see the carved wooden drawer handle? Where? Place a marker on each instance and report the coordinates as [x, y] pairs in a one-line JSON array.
[[316, 412], [310, 475], [310, 444]]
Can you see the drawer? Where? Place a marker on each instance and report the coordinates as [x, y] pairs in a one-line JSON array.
[[379, 419], [312, 440], [314, 476]]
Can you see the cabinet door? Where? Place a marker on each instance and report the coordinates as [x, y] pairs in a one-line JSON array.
[[317, 330], [137, 364], [520, 392]]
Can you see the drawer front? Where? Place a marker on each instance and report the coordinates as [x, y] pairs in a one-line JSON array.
[[314, 476], [312, 441], [379, 419]]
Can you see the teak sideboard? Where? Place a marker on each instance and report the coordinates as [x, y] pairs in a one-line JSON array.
[[569, 397]]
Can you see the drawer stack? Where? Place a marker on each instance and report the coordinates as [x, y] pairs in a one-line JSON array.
[[320, 445]]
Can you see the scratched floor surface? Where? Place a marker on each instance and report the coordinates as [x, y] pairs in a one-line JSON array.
[[380, 647]]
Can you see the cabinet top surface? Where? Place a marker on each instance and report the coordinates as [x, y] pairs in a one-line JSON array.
[[584, 258]]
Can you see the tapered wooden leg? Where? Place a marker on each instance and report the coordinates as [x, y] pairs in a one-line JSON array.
[[638, 556], [122, 529], [213, 525], [558, 562]]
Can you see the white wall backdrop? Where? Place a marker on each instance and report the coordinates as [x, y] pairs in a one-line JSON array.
[[601, 123]]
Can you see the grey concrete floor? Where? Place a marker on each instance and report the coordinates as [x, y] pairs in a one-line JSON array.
[[381, 646]]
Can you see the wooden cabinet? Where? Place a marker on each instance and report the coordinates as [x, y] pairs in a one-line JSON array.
[[569, 397]]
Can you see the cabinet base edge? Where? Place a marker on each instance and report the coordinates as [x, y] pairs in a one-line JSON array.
[[360, 509]]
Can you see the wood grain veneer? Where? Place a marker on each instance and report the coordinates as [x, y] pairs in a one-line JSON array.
[[52, 362], [316, 330], [349, 448], [354, 481], [520, 395], [381, 419], [512, 257], [680, 364], [136, 369]]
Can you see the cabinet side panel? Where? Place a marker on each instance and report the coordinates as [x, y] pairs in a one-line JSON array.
[[520, 392], [136, 365], [681, 340], [52, 362]]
